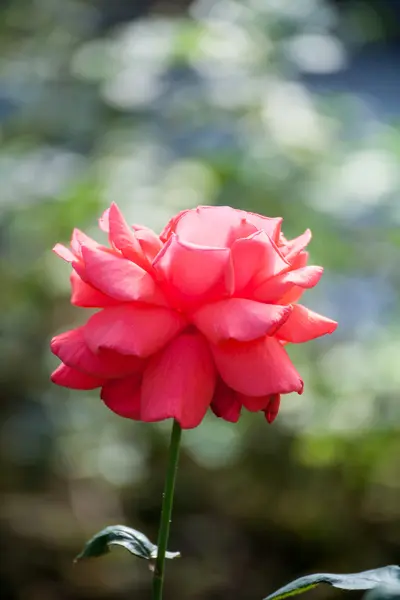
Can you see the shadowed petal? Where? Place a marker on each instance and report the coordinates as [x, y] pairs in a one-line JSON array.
[[304, 325], [122, 396], [86, 296], [258, 368], [140, 330], [123, 238], [75, 380], [239, 319], [225, 403], [179, 382], [71, 348]]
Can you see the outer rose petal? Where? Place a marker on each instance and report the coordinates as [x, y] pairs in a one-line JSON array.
[[239, 319], [118, 277], [149, 241], [293, 248], [75, 380], [86, 296], [255, 257], [226, 403], [124, 239], [179, 382], [304, 325], [193, 274], [271, 412], [132, 329], [71, 348], [275, 288], [122, 396], [258, 368], [255, 403], [64, 253], [79, 239]]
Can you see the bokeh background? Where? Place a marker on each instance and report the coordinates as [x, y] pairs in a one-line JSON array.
[[284, 107]]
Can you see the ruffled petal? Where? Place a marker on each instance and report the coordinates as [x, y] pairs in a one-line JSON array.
[[86, 296], [270, 225], [179, 382], [122, 396], [75, 380], [258, 368], [304, 325], [72, 349], [225, 403], [275, 288], [272, 410], [255, 258], [239, 319], [139, 330], [123, 238], [292, 248], [118, 277], [212, 226], [193, 274]]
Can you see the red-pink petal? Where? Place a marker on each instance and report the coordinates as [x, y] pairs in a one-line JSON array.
[[140, 330], [179, 382], [271, 225], [212, 226], [239, 319], [193, 273], [122, 396], [104, 221], [118, 277], [123, 238], [275, 288], [255, 258], [304, 325], [292, 248], [258, 368], [86, 296], [149, 241], [75, 380], [254, 403], [225, 403], [272, 410], [80, 239], [72, 349]]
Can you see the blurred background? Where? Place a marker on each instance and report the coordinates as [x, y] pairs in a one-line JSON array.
[[282, 107]]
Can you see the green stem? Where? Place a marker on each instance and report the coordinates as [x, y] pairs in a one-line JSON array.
[[166, 511]]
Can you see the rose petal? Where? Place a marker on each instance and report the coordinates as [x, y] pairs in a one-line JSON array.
[[122, 396], [71, 348], [118, 277], [239, 319], [258, 368], [133, 329], [86, 296], [75, 380], [275, 288], [254, 403], [225, 403], [123, 238], [104, 221], [212, 226], [304, 325], [179, 382], [149, 241], [194, 274], [271, 225], [64, 253], [292, 248], [272, 410], [255, 258], [79, 239]]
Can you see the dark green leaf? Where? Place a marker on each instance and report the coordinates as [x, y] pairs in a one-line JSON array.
[[119, 535], [386, 576]]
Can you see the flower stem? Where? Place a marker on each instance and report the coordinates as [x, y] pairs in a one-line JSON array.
[[166, 511]]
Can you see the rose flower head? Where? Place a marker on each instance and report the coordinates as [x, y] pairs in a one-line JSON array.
[[195, 318]]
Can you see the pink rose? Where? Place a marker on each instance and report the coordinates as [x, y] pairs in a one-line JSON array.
[[195, 318]]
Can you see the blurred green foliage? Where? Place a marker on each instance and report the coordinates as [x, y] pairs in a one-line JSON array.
[[160, 113]]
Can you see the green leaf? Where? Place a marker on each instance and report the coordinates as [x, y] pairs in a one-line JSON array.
[[118, 535], [388, 577]]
